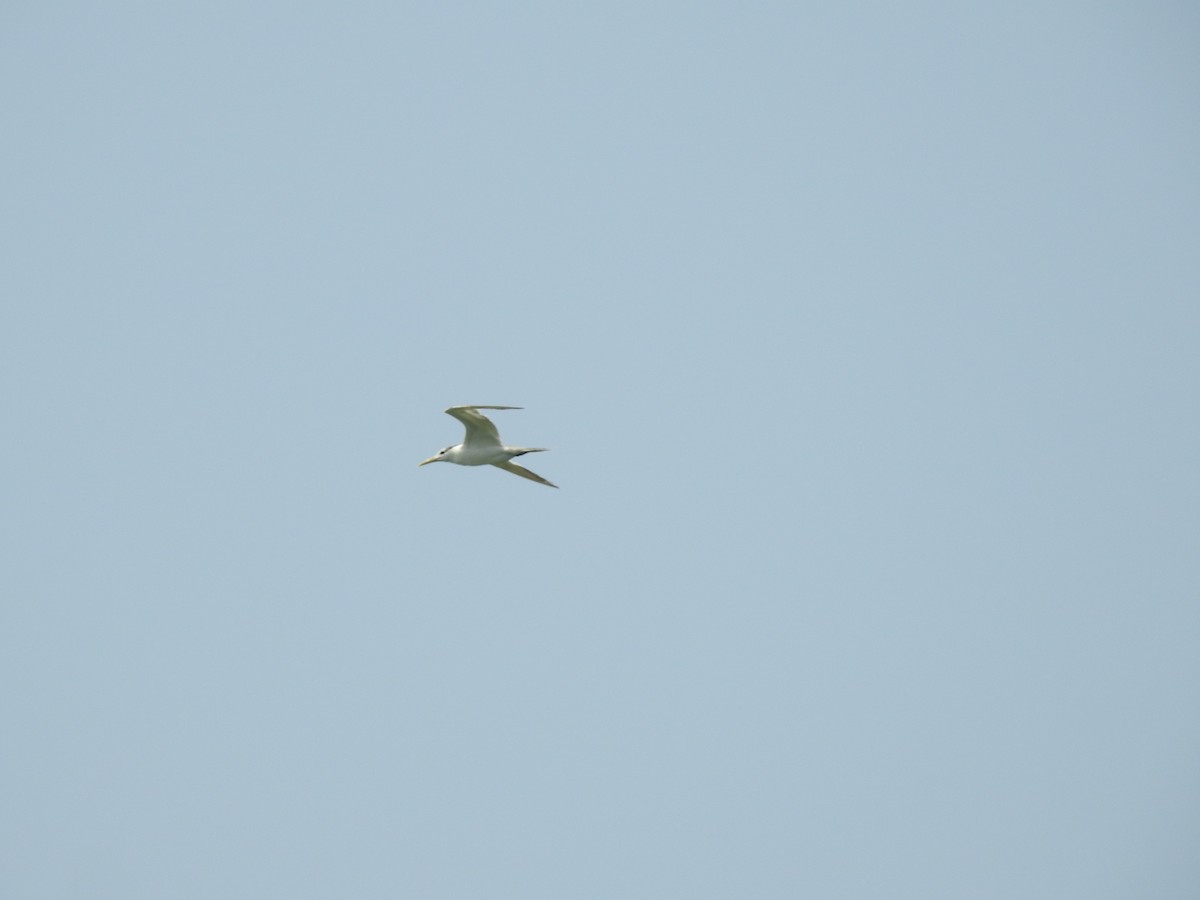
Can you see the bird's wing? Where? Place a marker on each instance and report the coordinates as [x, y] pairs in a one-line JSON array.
[[480, 430], [523, 472]]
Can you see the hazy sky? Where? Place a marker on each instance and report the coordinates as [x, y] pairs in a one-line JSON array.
[[865, 338]]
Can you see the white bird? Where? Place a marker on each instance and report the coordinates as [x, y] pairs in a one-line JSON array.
[[482, 445]]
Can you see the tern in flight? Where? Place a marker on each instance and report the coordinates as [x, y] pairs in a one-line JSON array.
[[482, 445]]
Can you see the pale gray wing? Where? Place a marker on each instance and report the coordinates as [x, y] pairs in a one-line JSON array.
[[480, 430], [523, 472]]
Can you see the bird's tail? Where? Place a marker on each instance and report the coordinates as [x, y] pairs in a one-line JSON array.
[[521, 451]]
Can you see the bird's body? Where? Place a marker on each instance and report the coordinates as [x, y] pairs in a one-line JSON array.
[[482, 445]]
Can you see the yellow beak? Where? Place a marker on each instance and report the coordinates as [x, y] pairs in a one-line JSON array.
[[427, 462]]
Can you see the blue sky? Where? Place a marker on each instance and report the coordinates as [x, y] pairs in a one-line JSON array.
[[864, 338]]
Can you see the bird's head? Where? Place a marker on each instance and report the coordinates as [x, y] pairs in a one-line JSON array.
[[440, 456]]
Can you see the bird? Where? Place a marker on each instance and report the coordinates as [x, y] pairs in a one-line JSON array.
[[482, 445]]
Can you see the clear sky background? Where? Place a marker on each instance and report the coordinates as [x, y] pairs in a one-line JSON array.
[[865, 338]]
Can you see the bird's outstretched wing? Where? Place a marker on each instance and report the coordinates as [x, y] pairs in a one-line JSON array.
[[523, 472], [480, 430]]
